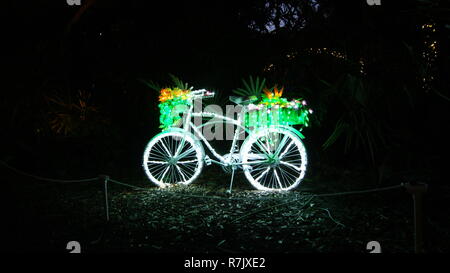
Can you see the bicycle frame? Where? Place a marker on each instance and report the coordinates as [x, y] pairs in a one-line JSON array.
[[216, 118]]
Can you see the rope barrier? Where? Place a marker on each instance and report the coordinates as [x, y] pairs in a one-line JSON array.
[[312, 196], [108, 179], [127, 185], [415, 190], [359, 191], [45, 178]]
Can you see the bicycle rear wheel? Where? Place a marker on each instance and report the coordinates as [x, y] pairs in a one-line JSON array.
[[173, 157], [274, 159]]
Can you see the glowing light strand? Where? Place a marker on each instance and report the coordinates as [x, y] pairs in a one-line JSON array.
[[176, 157], [272, 109], [429, 55]]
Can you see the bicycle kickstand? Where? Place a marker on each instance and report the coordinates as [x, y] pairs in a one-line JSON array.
[[231, 182]]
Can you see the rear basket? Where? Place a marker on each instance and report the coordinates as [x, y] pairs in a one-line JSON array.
[[269, 116]]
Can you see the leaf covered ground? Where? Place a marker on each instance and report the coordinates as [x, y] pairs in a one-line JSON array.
[[203, 218]]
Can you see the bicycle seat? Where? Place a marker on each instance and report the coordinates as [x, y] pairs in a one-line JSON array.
[[243, 100]]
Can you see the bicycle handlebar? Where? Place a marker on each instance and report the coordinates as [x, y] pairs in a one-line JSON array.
[[202, 93]]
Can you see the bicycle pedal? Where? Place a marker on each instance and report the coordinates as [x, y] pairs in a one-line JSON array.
[[208, 160]]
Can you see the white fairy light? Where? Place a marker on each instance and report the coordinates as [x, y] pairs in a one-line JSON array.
[[177, 156]]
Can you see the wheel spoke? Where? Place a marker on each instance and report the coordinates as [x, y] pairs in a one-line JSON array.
[[284, 177], [287, 174], [187, 161], [166, 149], [180, 147], [157, 150], [290, 165], [261, 146], [263, 173], [157, 169], [181, 172], [267, 142], [192, 168], [184, 154], [277, 159], [262, 167], [156, 162], [287, 149], [278, 179], [256, 156], [256, 162], [188, 170], [164, 173], [161, 165], [281, 145]]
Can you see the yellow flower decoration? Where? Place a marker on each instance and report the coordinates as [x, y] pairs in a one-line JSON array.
[[278, 93], [269, 94], [169, 94], [165, 94]]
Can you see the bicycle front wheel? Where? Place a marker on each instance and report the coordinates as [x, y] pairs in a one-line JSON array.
[[274, 159], [173, 157]]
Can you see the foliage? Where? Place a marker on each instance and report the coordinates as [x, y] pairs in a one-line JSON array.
[[173, 100], [151, 84], [269, 107], [284, 15], [175, 82], [252, 88], [358, 122], [77, 116], [272, 109]]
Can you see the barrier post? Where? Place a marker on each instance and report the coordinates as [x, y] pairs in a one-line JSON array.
[[105, 179], [417, 191]]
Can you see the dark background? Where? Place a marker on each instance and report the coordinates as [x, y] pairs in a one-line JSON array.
[[388, 121]]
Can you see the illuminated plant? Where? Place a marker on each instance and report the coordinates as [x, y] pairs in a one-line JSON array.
[[74, 116], [252, 88], [173, 101], [272, 110]]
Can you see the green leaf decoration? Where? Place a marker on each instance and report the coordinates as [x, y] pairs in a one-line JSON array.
[[178, 83], [252, 87], [151, 84]]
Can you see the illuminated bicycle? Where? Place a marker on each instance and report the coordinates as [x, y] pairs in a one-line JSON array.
[[272, 156]]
